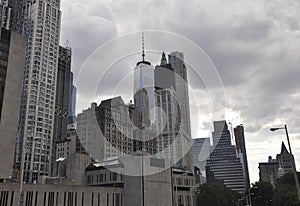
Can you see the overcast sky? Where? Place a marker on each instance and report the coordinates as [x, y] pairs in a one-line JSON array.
[[254, 45]]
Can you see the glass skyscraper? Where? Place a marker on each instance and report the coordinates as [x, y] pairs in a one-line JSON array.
[[224, 166]]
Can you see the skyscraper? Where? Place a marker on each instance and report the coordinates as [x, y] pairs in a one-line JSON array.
[[144, 133], [12, 52], [72, 102], [168, 122], [5, 14], [141, 100], [200, 151], [62, 99], [176, 59], [164, 77], [40, 22], [224, 166], [168, 116], [241, 150]]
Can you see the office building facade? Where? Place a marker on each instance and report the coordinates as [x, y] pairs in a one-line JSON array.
[[176, 60], [116, 127], [224, 166], [89, 132], [5, 14], [72, 102], [268, 171], [40, 22], [169, 140], [240, 143], [200, 151], [62, 99]]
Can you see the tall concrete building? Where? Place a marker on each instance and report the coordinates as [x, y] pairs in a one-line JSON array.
[[164, 77], [168, 116], [224, 166], [171, 97], [72, 102], [12, 53], [62, 93], [62, 99], [40, 22], [176, 59], [241, 150], [5, 14], [169, 139]]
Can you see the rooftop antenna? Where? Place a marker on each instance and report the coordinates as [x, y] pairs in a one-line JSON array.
[[143, 46], [67, 45]]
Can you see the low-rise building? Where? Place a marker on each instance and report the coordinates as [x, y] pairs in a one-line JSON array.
[[268, 171]]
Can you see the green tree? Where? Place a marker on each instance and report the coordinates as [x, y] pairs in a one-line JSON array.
[[216, 195], [285, 193], [262, 193]]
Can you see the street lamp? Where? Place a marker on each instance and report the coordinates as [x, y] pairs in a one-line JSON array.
[[293, 163], [240, 201], [249, 194]]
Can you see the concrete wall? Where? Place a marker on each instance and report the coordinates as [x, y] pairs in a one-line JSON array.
[[38, 195], [11, 104], [152, 188]]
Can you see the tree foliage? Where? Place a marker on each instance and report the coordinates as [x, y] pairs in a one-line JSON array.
[[216, 195], [262, 193], [285, 193]]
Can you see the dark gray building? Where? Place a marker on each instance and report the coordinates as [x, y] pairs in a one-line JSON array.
[[12, 54], [72, 101], [62, 99], [5, 14], [164, 77], [273, 169], [268, 171], [241, 150], [224, 166]]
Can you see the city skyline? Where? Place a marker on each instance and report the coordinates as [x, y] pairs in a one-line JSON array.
[[244, 69], [158, 103]]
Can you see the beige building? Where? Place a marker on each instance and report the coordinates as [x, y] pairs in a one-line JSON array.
[[11, 75]]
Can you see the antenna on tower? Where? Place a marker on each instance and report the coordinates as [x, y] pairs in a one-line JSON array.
[[67, 44], [143, 46]]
